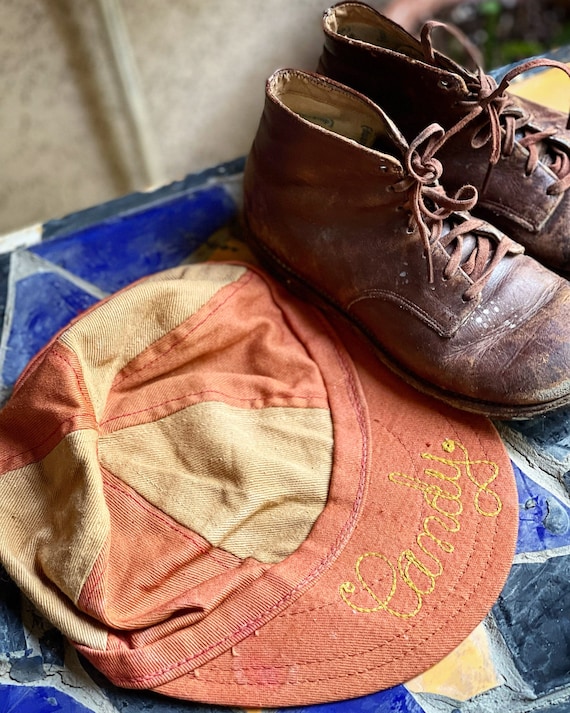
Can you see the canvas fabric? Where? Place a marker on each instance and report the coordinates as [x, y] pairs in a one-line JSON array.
[[217, 493]]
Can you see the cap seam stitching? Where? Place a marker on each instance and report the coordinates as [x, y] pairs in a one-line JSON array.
[[210, 391], [240, 283], [65, 421], [404, 654], [339, 542]]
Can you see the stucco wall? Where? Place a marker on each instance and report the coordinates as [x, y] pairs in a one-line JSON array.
[[65, 137]]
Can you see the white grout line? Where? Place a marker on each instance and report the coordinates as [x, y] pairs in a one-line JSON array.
[[541, 556], [24, 238]]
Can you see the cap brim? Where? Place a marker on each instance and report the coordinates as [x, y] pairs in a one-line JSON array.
[[410, 552]]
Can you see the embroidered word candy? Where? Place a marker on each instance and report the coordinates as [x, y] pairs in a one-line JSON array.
[[414, 574]]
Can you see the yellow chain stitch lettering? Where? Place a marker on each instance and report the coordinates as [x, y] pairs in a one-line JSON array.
[[449, 447], [445, 499], [348, 588]]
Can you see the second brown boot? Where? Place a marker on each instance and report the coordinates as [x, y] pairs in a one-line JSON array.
[[342, 207], [515, 152]]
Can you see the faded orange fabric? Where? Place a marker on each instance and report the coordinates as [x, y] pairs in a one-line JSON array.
[[57, 392], [395, 516]]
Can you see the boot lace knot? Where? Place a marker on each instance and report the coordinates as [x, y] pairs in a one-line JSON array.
[[503, 122], [443, 219]]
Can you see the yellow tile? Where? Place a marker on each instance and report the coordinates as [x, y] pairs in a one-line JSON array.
[[550, 87], [467, 671], [225, 244]]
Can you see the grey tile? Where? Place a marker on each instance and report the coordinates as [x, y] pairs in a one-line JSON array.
[[533, 615]]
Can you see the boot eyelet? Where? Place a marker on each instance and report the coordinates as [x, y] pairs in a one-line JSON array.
[[410, 230], [445, 84]]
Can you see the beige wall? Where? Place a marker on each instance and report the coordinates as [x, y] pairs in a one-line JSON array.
[[65, 139]]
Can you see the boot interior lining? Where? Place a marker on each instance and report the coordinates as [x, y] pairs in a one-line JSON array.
[[333, 110], [364, 24]]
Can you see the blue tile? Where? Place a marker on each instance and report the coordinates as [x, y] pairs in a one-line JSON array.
[[76, 222], [562, 54], [44, 303], [38, 699], [544, 521], [392, 700], [127, 246]]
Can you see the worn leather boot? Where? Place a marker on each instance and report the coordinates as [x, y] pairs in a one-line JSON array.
[[344, 209], [515, 152]]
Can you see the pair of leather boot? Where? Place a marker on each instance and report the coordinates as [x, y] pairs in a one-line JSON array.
[[409, 193]]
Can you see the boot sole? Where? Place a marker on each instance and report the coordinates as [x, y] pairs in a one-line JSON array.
[[299, 286]]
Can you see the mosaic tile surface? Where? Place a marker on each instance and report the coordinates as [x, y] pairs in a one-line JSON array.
[[518, 660]]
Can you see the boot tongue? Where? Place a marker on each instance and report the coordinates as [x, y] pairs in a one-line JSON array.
[[555, 156], [549, 152], [479, 251], [469, 243]]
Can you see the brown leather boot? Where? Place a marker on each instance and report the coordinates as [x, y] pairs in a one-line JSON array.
[[340, 206], [515, 152]]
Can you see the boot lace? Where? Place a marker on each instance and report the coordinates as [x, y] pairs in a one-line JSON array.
[[442, 219], [506, 122]]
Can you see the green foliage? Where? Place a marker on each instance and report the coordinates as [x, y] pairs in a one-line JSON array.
[[509, 32]]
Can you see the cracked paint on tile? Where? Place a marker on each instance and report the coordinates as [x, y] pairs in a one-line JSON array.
[[548, 434]]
